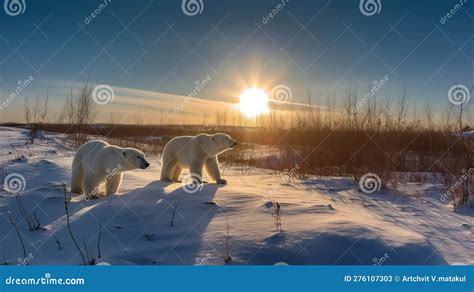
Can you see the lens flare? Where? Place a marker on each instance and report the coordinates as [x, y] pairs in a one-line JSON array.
[[253, 102]]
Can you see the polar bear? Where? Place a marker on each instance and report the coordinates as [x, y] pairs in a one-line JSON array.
[[97, 163], [195, 152]]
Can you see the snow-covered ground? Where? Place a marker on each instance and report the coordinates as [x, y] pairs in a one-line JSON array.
[[325, 220]]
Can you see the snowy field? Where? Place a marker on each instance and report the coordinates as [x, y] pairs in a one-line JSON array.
[[324, 220]]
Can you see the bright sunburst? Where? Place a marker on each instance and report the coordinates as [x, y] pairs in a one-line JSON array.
[[253, 102]]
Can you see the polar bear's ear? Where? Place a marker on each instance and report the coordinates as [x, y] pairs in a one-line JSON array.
[[124, 153]]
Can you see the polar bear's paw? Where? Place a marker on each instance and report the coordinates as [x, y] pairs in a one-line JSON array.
[[221, 182], [95, 196]]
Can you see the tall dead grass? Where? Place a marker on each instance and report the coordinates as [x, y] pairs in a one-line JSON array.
[[361, 135]]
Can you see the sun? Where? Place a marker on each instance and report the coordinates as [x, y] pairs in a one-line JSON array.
[[253, 102]]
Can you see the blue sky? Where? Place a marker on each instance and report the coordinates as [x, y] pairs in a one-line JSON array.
[[322, 47]]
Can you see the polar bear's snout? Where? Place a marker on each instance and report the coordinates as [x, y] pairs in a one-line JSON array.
[[233, 144], [143, 163]]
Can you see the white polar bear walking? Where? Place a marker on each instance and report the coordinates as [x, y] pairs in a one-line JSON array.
[[97, 162], [195, 152]]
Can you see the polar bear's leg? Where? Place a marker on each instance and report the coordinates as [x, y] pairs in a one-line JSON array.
[[77, 178], [195, 170], [212, 168], [176, 173], [112, 185], [92, 185], [167, 169]]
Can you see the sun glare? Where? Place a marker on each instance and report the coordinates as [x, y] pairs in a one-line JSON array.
[[253, 102]]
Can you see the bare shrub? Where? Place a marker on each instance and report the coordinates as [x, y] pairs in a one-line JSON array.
[[12, 222], [35, 116], [277, 215], [32, 221], [78, 113], [227, 257]]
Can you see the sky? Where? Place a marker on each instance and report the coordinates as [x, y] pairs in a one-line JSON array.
[[154, 54]]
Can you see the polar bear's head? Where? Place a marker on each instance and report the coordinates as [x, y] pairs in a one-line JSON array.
[[133, 159], [216, 143]]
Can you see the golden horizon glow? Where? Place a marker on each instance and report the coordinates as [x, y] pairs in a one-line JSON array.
[[254, 102]]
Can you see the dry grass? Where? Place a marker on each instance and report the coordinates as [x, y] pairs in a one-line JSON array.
[[352, 140]]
